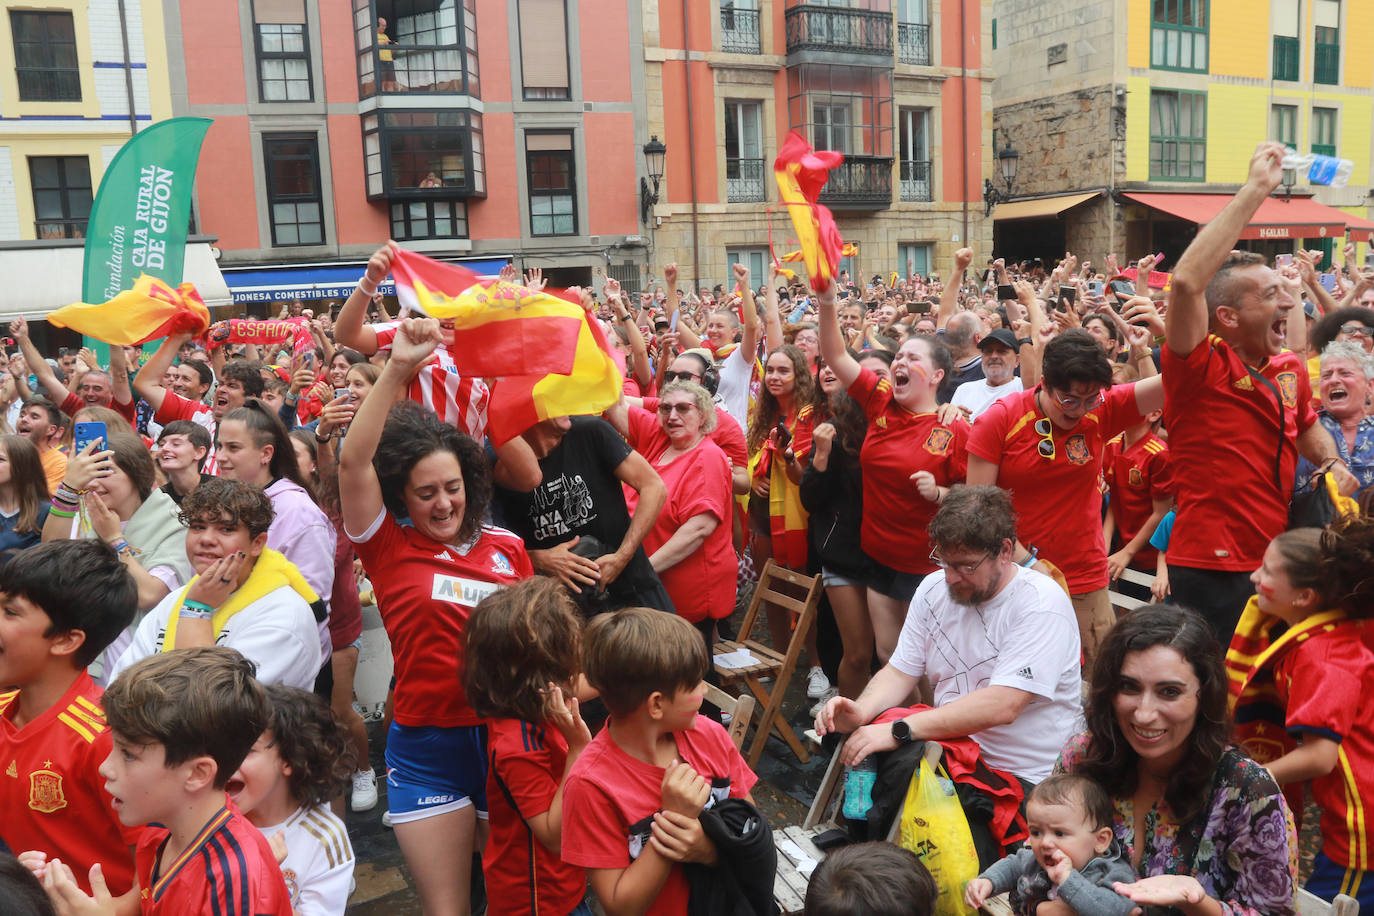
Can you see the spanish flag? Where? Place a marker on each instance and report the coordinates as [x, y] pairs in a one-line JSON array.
[[801, 172], [150, 310], [593, 384], [499, 328]]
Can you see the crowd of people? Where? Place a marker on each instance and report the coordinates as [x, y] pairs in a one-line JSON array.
[[969, 467]]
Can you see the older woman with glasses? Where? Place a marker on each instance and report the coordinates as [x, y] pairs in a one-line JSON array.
[[689, 546], [1046, 447]]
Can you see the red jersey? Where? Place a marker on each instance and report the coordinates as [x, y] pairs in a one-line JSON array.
[[1224, 431], [1058, 507], [175, 407], [1137, 476], [228, 868], [727, 435], [898, 444], [74, 402], [1322, 682], [425, 591], [51, 795], [610, 799], [523, 877], [458, 400]]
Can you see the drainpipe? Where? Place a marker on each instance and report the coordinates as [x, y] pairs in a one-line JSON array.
[[128, 69], [691, 147], [963, 110]]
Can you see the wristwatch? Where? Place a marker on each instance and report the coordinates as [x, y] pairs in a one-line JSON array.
[[901, 731]]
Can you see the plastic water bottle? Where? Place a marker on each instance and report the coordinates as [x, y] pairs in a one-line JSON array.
[[1322, 170], [858, 788]]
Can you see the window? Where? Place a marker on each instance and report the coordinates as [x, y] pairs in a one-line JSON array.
[[913, 147], [830, 124], [1178, 135], [429, 219], [283, 53], [744, 163], [1286, 53], [1283, 125], [756, 259], [553, 192], [739, 26], [544, 49], [915, 254], [426, 154], [45, 62], [1178, 35], [293, 190], [1324, 131], [61, 195], [913, 32], [994, 34], [1326, 57], [416, 46]]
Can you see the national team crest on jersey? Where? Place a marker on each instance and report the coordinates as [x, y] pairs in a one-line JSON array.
[[45, 791], [1288, 387], [1134, 477], [500, 564], [1076, 448], [937, 443]]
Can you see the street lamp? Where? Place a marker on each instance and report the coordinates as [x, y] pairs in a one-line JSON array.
[[1007, 161], [654, 152]]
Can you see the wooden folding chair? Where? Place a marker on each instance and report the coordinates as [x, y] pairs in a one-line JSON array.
[[1309, 904], [740, 709], [773, 663]]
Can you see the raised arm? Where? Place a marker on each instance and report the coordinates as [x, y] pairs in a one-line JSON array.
[[119, 376], [350, 328], [1186, 321], [749, 339], [772, 322], [47, 379], [845, 367], [358, 484], [148, 382], [949, 298]]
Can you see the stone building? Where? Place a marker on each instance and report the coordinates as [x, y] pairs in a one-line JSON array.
[[1134, 120], [901, 89]]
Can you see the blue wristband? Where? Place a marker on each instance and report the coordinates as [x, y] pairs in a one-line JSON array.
[[196, 610]]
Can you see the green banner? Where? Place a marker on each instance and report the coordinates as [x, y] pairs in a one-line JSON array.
[[142, 210]]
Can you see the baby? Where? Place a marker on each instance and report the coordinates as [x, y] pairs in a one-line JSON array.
[[1072, 854]]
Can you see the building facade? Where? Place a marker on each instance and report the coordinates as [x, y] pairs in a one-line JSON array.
[[902, 90], [1135, 119], [474, 130]]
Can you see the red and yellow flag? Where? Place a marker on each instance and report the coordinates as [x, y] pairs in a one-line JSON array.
[[801, 172], [150, 310], [499, 329]]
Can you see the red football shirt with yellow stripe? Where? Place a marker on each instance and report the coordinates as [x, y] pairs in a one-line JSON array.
[[51, 797], [1137, 475]]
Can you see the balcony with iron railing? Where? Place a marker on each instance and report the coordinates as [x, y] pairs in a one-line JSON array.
[[915, 181], [848, 31], [859, 183], [913, 43], [739, 30], [744, 180]]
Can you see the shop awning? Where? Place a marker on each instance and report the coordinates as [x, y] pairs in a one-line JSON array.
[[321, 281], [45, 277], [1041, 208], [1359, 230], [1298, 218]]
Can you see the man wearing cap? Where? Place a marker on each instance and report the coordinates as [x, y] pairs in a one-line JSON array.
[[1000, 362]]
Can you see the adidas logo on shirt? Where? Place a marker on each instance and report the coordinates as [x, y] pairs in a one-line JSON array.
[[1026, 673], [443, 555]]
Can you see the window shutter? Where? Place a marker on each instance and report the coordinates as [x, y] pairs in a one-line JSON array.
[[543, 44]]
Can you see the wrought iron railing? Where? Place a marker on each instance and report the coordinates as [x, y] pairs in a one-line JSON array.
[[826, 28], [915, 180], [739, 30], [864, 182], [744, 180], [913, 43]]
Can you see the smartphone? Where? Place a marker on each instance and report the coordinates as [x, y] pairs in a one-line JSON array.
[[784, 437], [1095, 287], [1283, 260], [1368, 262], [1124, 289], [308, 360], [86, 433], [341, 392], [1005, 291], [1067, 295], [672, 322]]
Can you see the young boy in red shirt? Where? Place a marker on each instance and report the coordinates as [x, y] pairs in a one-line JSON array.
[[61, 604], [1139, 477], [632, 801], [182, 723]]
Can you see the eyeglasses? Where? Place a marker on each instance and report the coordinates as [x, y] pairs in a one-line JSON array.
[[1357, 330], [1072, 403], [671, 376], [963, 569], [683, 409], [1045, 430]]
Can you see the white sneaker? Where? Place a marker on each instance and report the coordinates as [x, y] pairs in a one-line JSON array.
[[364, 790], [824, 698], [816, 684]]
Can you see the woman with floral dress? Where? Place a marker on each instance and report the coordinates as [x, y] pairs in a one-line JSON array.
[[1206, 827]]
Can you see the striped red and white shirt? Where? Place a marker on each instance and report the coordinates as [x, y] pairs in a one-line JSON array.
[[458, 400], [176, 407]]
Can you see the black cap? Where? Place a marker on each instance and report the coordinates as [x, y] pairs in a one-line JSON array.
[[1002, 336]]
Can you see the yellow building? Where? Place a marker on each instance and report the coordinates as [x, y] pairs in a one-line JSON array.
[[78, 78], [1194, 86]]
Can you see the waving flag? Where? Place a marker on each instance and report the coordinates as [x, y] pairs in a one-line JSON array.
[[594, 383], [150, 310], [848, 250], [801, 172], [499, 328]]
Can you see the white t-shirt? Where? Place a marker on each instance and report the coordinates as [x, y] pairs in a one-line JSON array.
[[978, 395], [277, 633], [318, 867], [1025, 637], [733, 390]]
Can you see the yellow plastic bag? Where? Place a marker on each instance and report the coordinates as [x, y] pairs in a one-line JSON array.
[[934, 827]]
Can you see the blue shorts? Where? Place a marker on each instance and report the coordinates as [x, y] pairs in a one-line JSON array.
[[433, 770], [1329, 879]]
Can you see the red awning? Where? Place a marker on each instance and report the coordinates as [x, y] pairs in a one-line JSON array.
[[1359, 230], [1299, 218]]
